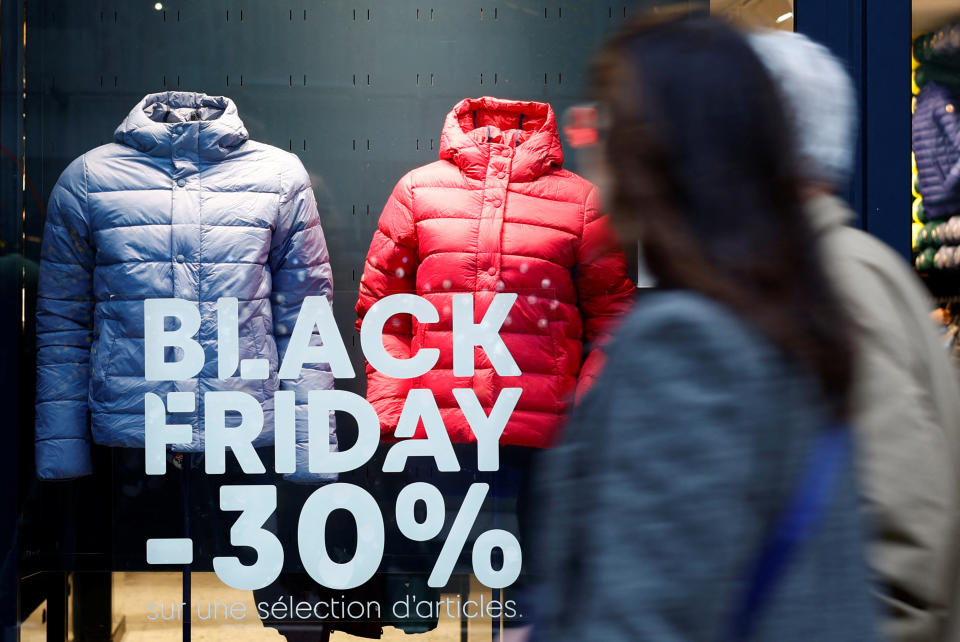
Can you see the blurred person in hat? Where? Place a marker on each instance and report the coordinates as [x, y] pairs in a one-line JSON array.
[[704, 488], [905, 407]]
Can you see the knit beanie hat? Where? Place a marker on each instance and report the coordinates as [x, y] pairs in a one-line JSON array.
[[819, 99]]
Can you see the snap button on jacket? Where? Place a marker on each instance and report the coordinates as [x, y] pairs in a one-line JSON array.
[[498, 213], [181, 205]]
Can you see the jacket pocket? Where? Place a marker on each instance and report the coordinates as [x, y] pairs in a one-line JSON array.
[[100, 357]]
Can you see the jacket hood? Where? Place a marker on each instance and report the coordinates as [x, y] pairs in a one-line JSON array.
[[158, 119], [477, 126]]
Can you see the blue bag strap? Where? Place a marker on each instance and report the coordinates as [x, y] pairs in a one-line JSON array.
[[807, 505]]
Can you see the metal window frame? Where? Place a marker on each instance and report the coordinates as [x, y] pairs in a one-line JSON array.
[[875, 44]]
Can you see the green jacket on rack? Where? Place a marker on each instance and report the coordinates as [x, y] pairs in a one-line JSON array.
[[946, 76]]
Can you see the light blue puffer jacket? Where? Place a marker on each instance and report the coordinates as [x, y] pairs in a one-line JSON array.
[[182, 205]]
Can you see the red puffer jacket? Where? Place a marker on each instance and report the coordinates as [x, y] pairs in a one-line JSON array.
[[497, 213]]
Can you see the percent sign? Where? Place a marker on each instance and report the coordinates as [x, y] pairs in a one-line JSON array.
[[432, 524]]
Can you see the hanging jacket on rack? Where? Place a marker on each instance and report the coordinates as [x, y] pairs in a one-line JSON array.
[[181, 205], [941, 47], [919, 215], [498, 213], [950, 234], [947, 76], [924, 260], [930, 235], [946, 258], [936, 146]]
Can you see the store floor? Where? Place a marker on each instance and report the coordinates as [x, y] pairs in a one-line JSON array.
[[147, 604]]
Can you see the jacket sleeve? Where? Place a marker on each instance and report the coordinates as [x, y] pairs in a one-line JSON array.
[[908, 470], [65, 331], [614, 504], [300, 267], [604, 289], [391, 268]]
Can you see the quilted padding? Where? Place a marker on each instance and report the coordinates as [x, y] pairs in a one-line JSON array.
[[498, 213], [181, 205], [936, 147]]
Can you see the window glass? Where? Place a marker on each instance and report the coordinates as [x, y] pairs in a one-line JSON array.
[[204, 203], [935, 228]]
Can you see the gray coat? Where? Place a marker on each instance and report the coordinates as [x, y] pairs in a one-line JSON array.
[[670, 473], [906, 416]]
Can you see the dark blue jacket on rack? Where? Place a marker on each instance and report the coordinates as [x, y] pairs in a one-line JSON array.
[[936, 145], [184, 206]]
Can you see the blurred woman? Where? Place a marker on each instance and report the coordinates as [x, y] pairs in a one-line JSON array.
[[704, 488]]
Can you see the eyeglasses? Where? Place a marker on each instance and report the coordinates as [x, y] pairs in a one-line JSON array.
[[584, 124]]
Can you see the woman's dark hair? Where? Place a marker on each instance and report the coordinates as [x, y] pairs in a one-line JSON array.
[[704, 177]]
